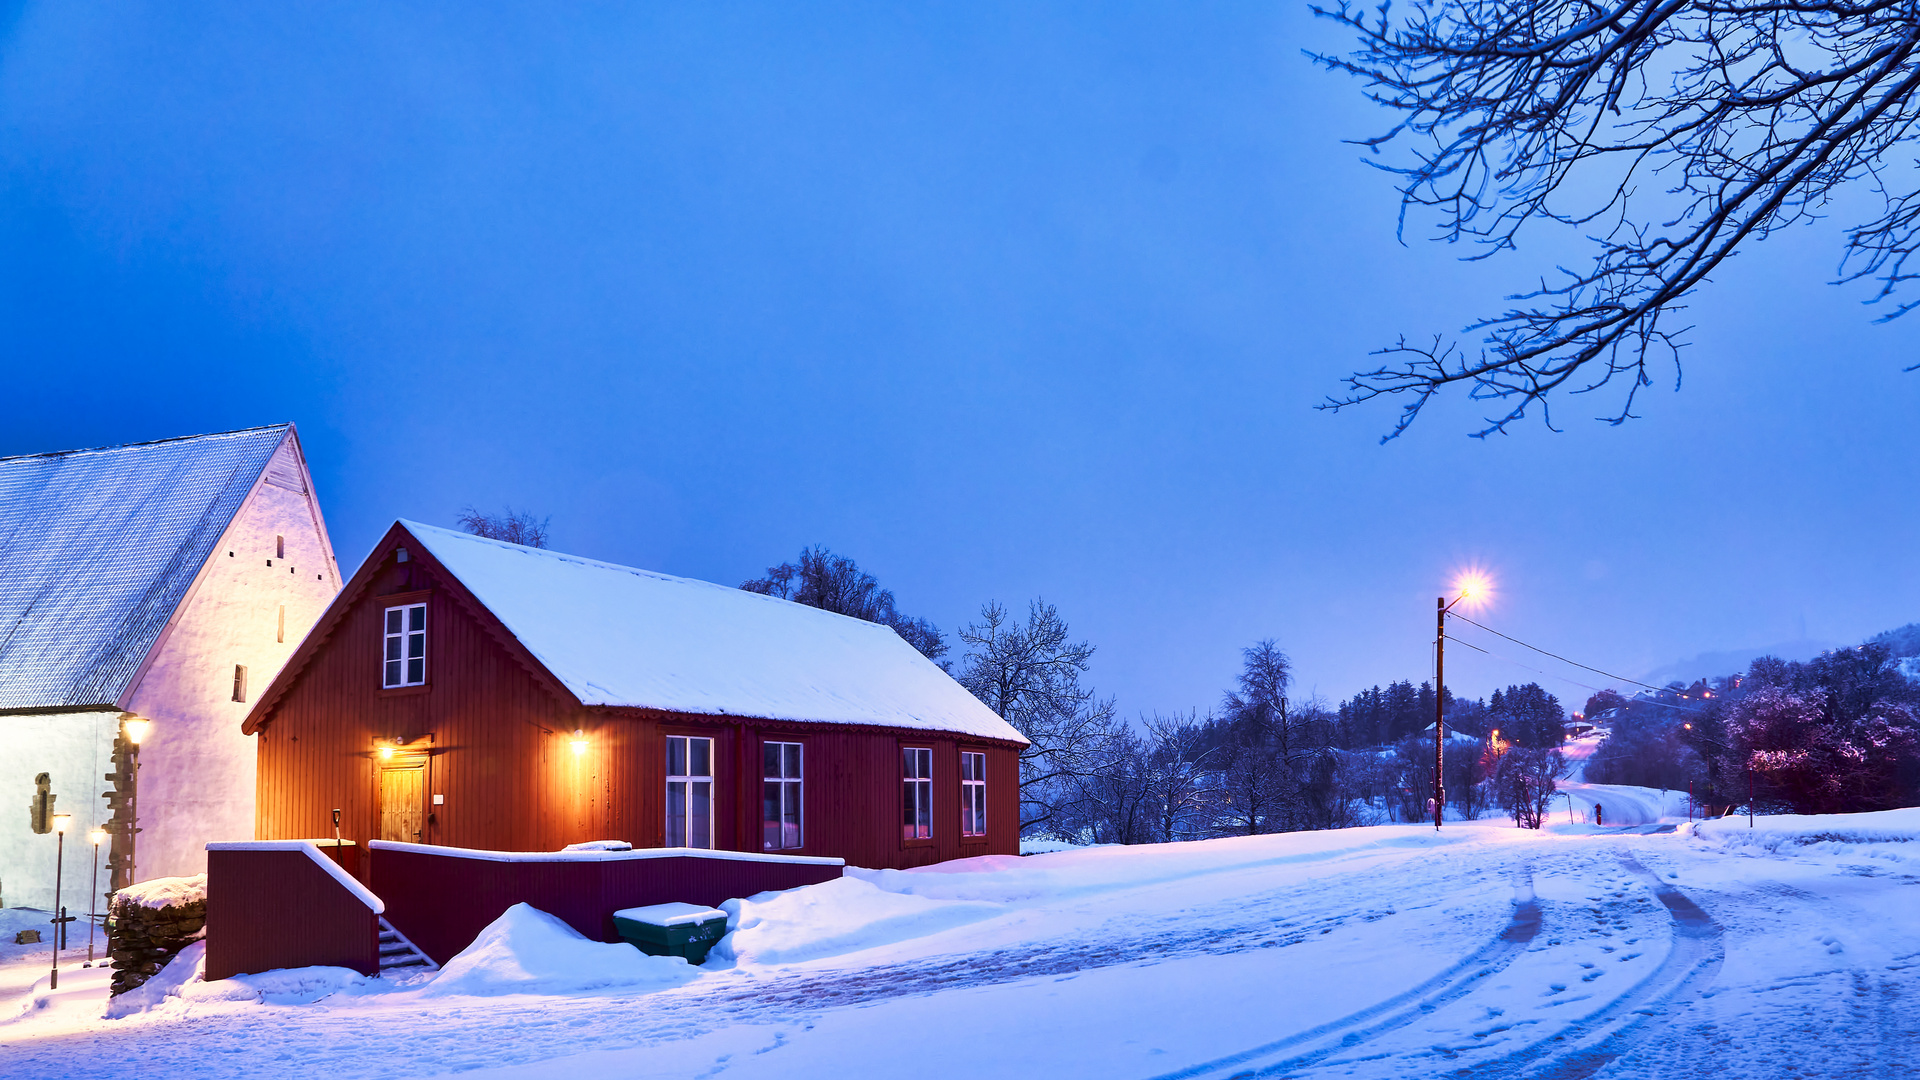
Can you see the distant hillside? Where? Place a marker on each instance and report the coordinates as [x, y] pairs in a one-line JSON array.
[[1708, 665], [1904, 641]]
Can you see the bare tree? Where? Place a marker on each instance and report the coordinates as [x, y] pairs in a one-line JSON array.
[[1030, 675], [1526, 779], [1671, 131], [834, 583], [512, 526], [1178, 792]]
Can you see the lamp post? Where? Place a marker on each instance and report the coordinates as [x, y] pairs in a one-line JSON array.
[[1468, 587], [136, 729], [60, 823], [98, 836]]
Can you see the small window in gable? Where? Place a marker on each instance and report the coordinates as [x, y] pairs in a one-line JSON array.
[[405, 659]]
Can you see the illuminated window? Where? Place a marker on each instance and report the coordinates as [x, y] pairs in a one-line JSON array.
[[916, 792], [689, 791], [406, 641], [780, 795], [973, 794]]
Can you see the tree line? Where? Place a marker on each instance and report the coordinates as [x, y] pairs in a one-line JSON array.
[[1835, 734], [1259, 761]]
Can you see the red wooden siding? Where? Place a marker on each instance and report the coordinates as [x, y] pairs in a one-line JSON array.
[[280, 909], [497, 730], [442, 900]]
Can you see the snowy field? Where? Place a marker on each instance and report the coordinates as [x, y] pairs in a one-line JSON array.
[[1482, 951]]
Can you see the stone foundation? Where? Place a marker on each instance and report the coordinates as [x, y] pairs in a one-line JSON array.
[[147, 926]]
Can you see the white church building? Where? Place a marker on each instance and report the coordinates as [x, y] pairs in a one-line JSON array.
[[147, 593]]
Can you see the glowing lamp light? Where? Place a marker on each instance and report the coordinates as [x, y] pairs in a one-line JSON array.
[[98, 836], [137, 730], [1474, 587], [579, 741], [386, 753], [61, 822]]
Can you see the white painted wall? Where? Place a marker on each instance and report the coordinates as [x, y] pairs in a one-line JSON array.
[[196, 768], [76, 751]]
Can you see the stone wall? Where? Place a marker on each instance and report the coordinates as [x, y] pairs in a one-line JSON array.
[[149, 923]]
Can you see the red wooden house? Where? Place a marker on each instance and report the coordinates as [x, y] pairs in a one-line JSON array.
[[473, 693]]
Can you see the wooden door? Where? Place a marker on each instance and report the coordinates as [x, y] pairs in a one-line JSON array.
[[403, 801]]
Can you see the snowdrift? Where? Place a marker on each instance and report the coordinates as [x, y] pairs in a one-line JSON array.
[[184, 982], [1893, 835], [527, 951]]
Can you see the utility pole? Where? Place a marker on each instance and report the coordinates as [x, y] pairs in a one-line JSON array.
[[1439, 707]]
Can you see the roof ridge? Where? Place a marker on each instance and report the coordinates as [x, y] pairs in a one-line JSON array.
[[284, 426], [636, 571]]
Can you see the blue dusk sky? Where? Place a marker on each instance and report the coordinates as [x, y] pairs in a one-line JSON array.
[[1002, 301]]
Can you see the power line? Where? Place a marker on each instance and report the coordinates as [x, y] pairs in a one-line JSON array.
[[1557, 656]]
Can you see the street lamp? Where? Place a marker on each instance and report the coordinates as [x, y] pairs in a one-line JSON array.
[[1470, 585], [60, 920], [98, 836]]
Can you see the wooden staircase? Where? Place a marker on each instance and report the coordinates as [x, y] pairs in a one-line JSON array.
[[400, 956]]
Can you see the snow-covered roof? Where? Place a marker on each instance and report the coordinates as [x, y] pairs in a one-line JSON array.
[[619, 636], [99, 547]]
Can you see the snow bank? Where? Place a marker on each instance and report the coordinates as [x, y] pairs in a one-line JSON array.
[[599, 845], [1893, 835], [165, 892], [183, 981], [841, 916], [1623, 804], [868, 909], [527, 951]]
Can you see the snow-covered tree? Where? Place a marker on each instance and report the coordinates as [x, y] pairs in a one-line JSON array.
[[1029, 673]]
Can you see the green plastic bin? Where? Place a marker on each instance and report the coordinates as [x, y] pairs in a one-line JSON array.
[[687, 930]]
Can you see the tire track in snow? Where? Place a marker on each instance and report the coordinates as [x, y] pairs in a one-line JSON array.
[[1397, 1011], [1615, 1028]]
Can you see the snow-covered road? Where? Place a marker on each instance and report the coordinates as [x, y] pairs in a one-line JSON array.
[[1481, 951]]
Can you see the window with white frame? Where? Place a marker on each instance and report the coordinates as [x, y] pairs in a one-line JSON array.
[[780, 797], [973, 794], [689, 791], [406, 646], [916, 792]]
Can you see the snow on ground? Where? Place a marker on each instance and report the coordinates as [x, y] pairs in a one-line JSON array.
[[1390, 951]]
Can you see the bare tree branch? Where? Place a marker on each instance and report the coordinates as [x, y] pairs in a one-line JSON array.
[[1674, 130]]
